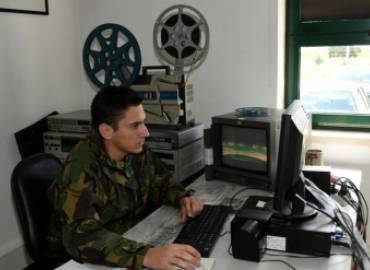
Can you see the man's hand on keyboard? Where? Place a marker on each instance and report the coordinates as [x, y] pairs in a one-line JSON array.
[[190, 207], [170, 256]]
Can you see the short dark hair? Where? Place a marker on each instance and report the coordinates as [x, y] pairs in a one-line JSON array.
[[110, 104]]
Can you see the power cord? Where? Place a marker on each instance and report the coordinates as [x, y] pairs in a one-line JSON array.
[[359, 252], [223, 234], [237, 193], [347, 191], [292, 256], [234, 196], [284, 262]]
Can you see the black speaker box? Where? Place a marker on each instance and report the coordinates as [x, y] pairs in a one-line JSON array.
[[320, 175]]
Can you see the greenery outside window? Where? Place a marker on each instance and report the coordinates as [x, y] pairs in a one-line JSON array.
[[328, 61]]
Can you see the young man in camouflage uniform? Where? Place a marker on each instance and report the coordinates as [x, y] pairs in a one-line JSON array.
[[108, 182]]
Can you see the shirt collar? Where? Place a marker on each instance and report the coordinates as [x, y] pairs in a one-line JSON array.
[[98, 147]]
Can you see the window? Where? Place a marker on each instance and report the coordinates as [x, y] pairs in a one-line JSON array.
[[328, 61]]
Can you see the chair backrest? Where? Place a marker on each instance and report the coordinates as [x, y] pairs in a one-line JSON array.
[[29, 182]]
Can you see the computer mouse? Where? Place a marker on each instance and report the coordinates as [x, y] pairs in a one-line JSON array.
[[201, 267]]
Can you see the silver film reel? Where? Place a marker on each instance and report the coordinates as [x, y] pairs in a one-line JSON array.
[[181, 38]]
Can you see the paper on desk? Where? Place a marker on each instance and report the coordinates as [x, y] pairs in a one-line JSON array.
[[73, 265], [206, 264], [212, 194]]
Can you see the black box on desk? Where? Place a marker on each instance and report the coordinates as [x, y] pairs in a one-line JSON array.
[[248, 232], [248, 241], [320, 175], [309, 236]]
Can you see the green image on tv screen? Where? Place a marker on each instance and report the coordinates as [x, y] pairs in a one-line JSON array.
[[244, 148]]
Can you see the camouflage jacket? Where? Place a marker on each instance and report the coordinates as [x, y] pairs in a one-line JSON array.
[[95, 200]]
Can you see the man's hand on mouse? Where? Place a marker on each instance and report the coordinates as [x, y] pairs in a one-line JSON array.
[[170, 256]]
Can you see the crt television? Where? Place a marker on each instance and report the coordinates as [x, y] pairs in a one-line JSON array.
[[243, 149]]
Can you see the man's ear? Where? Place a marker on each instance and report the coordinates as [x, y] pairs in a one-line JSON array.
[[106, 131]]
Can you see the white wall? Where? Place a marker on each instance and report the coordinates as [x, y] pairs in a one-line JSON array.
[[40, 72], [241, 66]]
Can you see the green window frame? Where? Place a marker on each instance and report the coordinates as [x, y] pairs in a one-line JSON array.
[[322, 33]]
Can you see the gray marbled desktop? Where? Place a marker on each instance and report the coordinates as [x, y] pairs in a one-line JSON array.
[[163, 225]]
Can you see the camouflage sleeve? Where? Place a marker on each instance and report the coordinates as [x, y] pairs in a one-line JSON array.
[[83, 234], [165, 189]]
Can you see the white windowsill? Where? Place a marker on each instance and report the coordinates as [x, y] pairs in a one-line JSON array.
[[349, 137]]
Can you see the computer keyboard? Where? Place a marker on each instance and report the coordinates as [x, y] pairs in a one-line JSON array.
[[203, 231]]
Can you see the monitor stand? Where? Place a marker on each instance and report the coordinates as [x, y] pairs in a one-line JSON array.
[[296, 209]]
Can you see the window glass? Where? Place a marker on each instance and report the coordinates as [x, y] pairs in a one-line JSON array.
[[328, 61], [335, 79]]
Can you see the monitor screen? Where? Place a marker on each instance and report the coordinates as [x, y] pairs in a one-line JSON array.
[[244, 148], [289, 186]]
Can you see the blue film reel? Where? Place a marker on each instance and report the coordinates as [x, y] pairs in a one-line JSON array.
[[111, 56], [252, 112]]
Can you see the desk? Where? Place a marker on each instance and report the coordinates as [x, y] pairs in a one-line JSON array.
[[162, 226]]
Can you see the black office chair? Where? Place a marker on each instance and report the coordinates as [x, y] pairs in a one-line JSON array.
[[29, 181]]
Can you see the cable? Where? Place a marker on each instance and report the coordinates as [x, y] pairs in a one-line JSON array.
[[344, 221], [229, 250], [223, 234], [359, 204], [292, 256], [284, 262], [341, 254], [321, 211], [359, 251], [237, 193]]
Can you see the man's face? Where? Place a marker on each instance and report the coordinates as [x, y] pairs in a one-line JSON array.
[[129, 137]]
